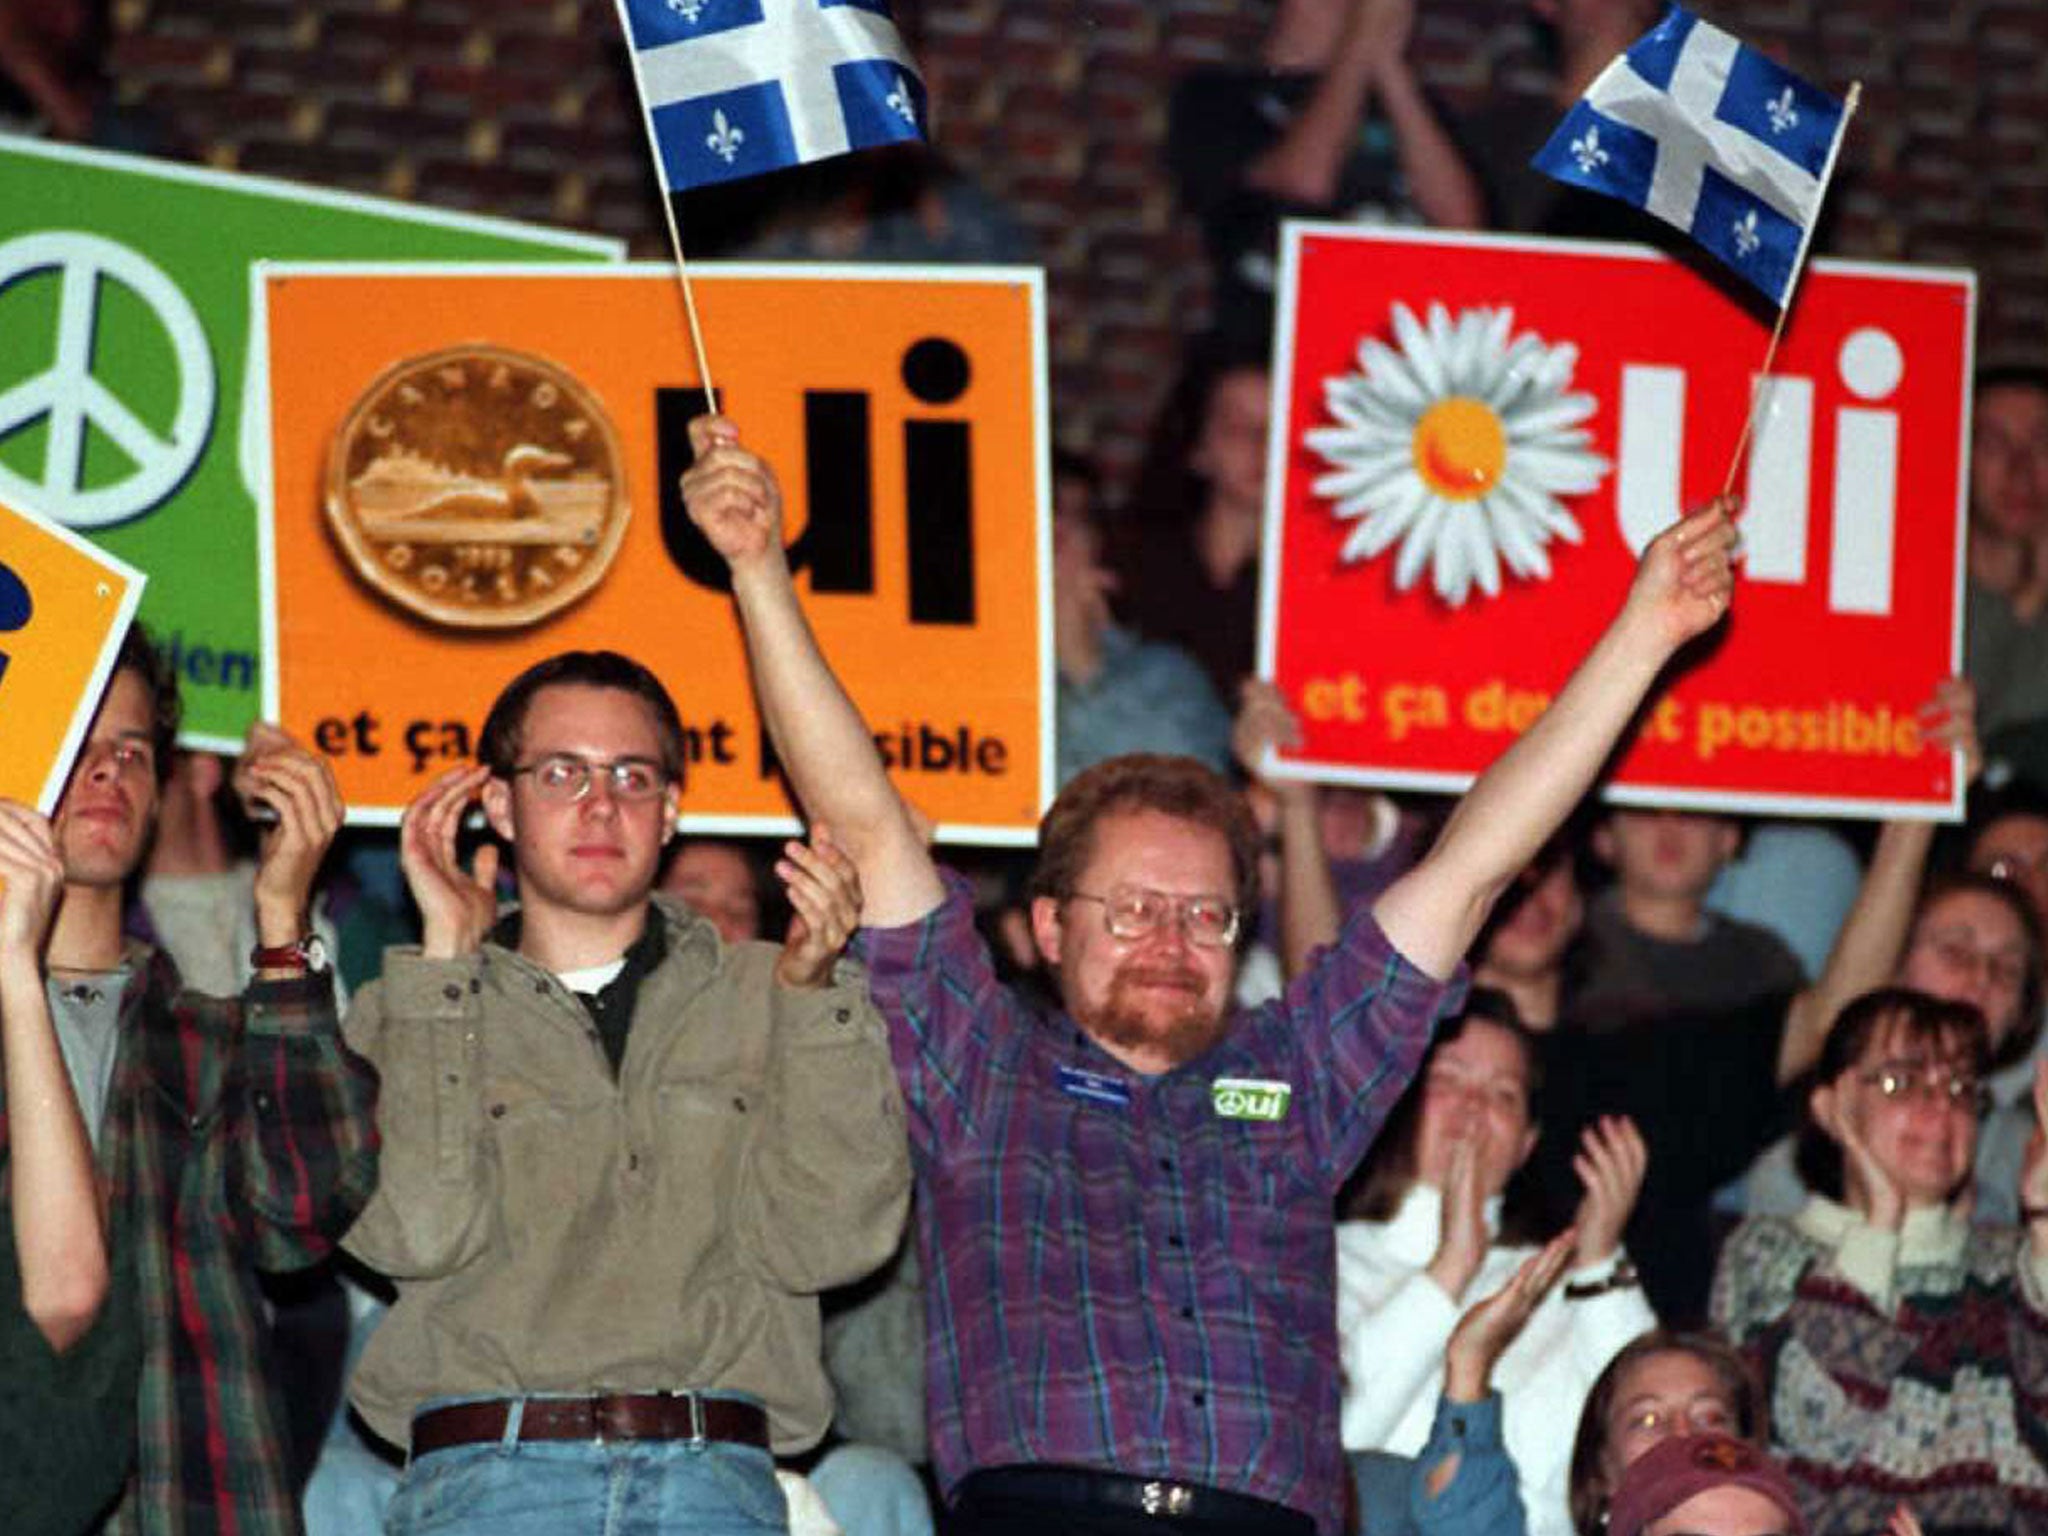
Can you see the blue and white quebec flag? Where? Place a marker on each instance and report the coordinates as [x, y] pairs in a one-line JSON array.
[[737, 88], [1711, 136]]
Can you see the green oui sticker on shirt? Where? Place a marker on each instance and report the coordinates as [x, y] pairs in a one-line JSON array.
[[1249, 1098]]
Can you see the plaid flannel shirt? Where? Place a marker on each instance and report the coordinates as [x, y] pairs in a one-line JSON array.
[[240, 1135], [1138, 1273]]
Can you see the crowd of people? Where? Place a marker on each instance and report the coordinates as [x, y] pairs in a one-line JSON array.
[[1252, 1157]]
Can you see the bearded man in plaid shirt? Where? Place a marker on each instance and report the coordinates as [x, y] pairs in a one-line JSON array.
[[231, 1134], [1125, 1209]]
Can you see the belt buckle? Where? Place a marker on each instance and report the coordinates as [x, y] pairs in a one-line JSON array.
[[696, 1413], [1159, 1498]]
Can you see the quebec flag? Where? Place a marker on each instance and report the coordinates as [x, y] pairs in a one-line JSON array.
[[1710, 136], [737, 88]]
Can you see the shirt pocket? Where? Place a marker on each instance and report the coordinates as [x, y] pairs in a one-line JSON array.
[[702, 1127]]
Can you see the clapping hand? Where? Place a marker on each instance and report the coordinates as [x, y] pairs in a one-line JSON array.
[[2034, 1169], [457, 906], [1463, 1239], [1492, 1323], [1885, 1201], [300, 790], [824, 890], [1610, 1163]]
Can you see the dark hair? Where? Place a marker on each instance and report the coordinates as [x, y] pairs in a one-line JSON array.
[[1945, 1025], [1147, 781], [1953, 882], [1589, 1491], [1168, 491], [1375, 1193], [498, 747], [138, 654], [2014, 375]]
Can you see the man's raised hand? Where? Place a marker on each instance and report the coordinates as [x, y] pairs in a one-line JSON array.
[[731, 494], [1685, 580]]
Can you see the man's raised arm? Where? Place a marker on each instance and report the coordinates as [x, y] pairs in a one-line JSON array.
[[1681, 589], [732, 495]]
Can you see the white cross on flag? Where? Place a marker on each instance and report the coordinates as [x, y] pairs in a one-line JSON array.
[[737, 88], [1711, 136]]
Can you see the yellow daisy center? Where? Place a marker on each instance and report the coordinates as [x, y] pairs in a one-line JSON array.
[[1460, 448]]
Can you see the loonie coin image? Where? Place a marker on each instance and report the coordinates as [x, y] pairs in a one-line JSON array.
[[477, 487]]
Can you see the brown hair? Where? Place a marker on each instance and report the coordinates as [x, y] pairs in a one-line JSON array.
[[498, 745], [1589, 1491], [1179, 787], [1952, 882], [1931, 1020], [139, 655]]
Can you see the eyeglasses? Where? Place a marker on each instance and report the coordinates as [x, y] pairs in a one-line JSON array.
[[2005, 967], [564, 778], [1134, 912], [1899, 1081]]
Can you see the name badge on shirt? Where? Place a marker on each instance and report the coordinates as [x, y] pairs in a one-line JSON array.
[[1249, 1098], [1078, 1084]]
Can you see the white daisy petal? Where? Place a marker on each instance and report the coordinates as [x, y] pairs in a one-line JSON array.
[[1533, 419], [1479, 551], [1397, 384], [1450, 572], [1519, 543], [1421, 353], [1415, 549]]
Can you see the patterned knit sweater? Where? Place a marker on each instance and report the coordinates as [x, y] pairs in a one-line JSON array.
[[1908, 1366]]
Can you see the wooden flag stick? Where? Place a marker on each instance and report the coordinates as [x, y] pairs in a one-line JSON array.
[[675, 242], [1756, 387]]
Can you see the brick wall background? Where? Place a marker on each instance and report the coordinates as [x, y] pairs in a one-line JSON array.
[[522, 108]]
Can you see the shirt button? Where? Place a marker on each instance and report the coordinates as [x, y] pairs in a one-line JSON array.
[[1173, 1240], [1457, 1424], [843, 1015], [1201, 1398], [1166, 1165], [541, 987], [1187, 1314], [633, 1162], [452, 992]]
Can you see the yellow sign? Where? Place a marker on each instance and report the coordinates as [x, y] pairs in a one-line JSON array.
[[64, 607], [473, 469]]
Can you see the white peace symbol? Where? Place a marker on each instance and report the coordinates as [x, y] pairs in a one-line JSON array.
[[72, 399]]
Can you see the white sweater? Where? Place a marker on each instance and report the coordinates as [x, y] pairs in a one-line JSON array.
[[1393, 1322]]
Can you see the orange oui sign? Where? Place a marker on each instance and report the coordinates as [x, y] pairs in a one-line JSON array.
[[64, 606], [473, 469]]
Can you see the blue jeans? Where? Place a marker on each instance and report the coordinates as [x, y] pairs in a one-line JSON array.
[[582, 1488], [872, 1492]]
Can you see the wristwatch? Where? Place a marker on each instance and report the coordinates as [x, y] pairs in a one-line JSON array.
[[307, 954]]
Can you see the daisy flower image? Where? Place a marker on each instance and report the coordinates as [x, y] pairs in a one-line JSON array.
[[1457, 446]]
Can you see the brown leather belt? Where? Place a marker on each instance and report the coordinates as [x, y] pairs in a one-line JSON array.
[[608, 1416]]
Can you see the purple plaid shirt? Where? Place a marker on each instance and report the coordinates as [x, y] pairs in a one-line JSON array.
[[1117, 1273]]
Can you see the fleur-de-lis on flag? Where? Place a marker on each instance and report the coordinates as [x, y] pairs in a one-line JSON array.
[[689, 10], [899, 101], [1783, 115], [725, 138], [1746, 237], [1587, 150]]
